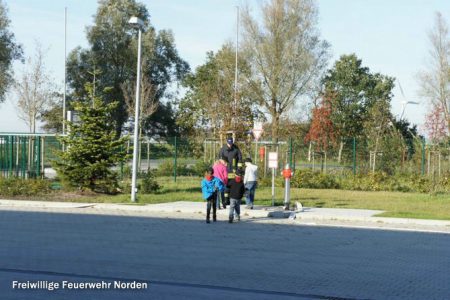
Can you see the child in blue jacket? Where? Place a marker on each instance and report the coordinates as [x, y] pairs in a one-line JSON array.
[[210, 186]]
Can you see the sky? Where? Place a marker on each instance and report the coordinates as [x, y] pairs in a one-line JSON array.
[[390, 36]]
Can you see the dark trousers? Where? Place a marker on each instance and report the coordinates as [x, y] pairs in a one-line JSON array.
[[211, 202]]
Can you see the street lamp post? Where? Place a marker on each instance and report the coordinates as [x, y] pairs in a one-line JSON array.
[[137, 23]]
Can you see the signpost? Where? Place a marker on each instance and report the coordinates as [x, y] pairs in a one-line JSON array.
[[273, 164], [257, 132]]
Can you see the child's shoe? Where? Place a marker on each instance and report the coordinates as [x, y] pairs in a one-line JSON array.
[[230, 220]]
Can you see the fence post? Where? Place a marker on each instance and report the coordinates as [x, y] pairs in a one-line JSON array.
[[354, 156], [293, 167], [175, 162], [423, 157], [121, 163], [42, 156], [23, 167], [38, 157], [11, 155], [290, 151]]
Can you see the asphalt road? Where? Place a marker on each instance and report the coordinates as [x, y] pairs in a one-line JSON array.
[[188, 259]]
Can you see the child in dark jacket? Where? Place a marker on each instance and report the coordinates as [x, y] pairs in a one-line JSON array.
[[237, 189], [210, 186]]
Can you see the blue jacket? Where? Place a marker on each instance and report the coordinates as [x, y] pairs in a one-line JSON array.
[[208, 187]]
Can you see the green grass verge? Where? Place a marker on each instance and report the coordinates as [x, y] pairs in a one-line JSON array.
[[396, 204]]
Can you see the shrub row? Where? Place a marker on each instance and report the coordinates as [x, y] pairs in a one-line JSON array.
[[166, 169], [24, 187], [371, 182]]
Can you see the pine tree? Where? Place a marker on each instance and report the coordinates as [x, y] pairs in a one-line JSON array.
[[92, 147]]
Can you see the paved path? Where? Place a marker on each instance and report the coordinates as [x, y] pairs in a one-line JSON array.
[[180, 256]]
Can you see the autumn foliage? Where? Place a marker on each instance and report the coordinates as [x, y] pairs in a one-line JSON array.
[[322, 131], [435, 124]]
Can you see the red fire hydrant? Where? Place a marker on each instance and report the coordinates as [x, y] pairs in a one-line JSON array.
[[287, 174], [262, 153]]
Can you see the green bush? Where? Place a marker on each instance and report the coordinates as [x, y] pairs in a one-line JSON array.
[[24, 187], [379, 181], [314, 180], [149, 184], [200, 167], [125, 186], [267, 182], [445, 181], [126, 171], [167, 166], [420, 184]]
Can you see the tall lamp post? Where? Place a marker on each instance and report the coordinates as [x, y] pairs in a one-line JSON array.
[[139, 24]]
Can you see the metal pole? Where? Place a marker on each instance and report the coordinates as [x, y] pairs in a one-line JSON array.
[[65, 72], [256, 151], [148, 156], [204, 151], [354, 156], [24, 157], [273, 186], [136, 122], [236, 67], [37, 154], [287, 190], [423, 156], [290, 151], [439, 163], [265, 161], [11, 154], [175, 162], [42, 156]]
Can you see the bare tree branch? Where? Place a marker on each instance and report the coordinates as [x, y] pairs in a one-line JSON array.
[[34, 90]]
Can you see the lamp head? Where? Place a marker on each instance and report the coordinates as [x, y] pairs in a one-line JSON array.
[[136, 22]]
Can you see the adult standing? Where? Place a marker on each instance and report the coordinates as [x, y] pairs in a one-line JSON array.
[[232, 153], [250, 181]]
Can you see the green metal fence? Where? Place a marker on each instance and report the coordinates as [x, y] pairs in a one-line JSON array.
[[31, 156], [26, 155]]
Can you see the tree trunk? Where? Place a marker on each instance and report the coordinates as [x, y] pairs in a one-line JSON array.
[[309, 151], [275, 127], [375, 156], [341, 148]]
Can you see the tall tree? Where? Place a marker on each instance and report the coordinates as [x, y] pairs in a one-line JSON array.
[[322, 131], [435, 81], [409, 134], [148, 105], [34, 89], [355, 91], [376, 127], [209, 101], [92, 147], [285, 53], [436, 125], [112, 54], [52, 117], [9, 51]]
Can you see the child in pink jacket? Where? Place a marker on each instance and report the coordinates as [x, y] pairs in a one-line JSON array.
[[221, 172]]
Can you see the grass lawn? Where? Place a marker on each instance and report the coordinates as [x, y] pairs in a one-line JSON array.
[[396, 204]]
